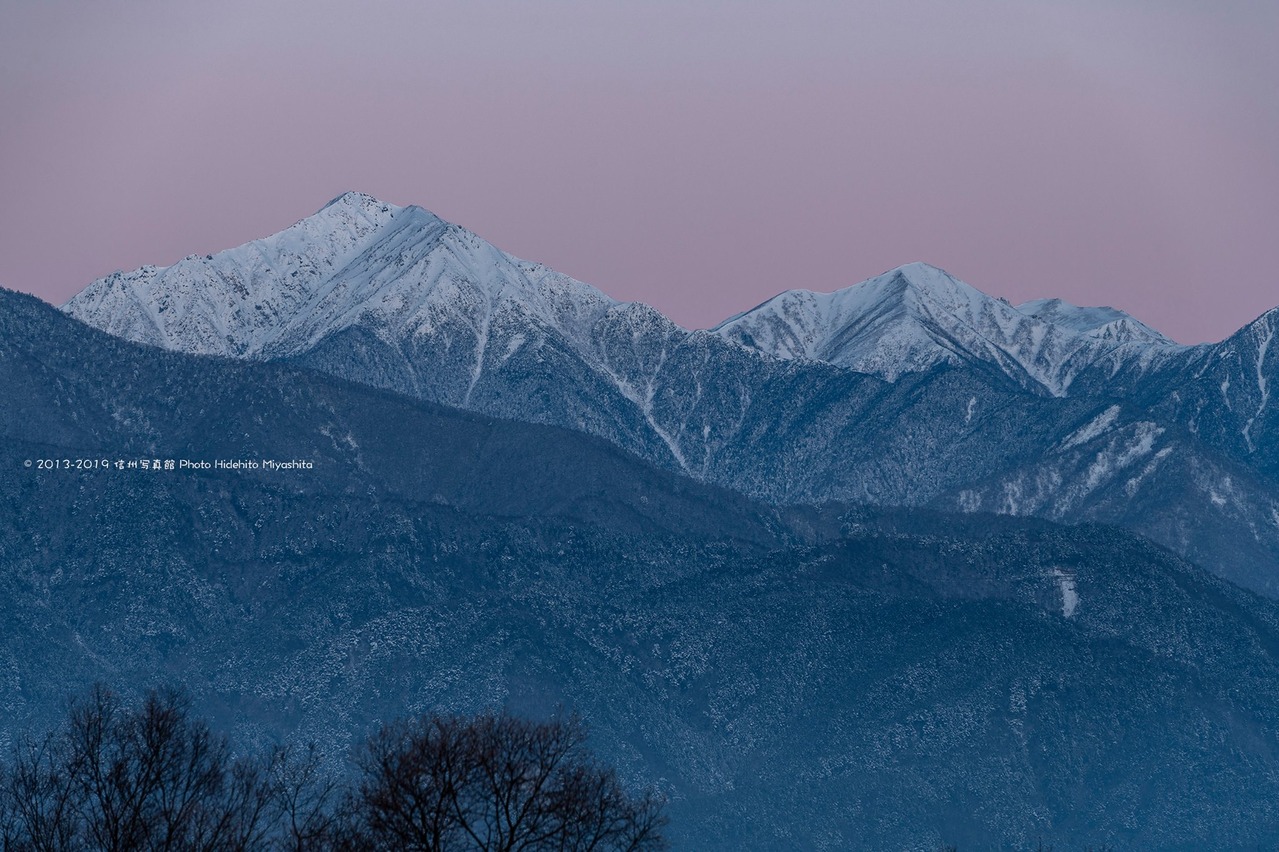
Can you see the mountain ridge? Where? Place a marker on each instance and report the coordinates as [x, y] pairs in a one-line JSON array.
[[924, 282], [912, 388], [893, 679]]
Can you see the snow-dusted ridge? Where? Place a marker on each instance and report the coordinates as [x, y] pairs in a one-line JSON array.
[[398, 298], [405, 273], [356, 260], [917, 316], [1047, 408], [1100, 322]]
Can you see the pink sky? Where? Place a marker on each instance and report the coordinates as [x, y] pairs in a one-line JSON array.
[[700, 156]]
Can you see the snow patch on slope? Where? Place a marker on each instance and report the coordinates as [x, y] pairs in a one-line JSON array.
[[1262, 385], [1092, 429], [1069, 592], [1117, 457], [1133, 484]]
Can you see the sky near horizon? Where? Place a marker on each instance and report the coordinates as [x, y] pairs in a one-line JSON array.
[[700, 156]]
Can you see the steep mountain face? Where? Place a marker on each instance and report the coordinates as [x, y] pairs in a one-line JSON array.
[[396, 298], [917, 317], [790, 678], [912, 388], [70, 387], [239, 301], [1227, 399]]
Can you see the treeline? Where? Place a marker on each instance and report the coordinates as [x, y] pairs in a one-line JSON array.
[[154, 776]]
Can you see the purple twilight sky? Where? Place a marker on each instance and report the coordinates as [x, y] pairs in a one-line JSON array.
[[700, 155]]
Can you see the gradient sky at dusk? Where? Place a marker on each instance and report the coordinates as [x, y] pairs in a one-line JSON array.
[[699, 155]]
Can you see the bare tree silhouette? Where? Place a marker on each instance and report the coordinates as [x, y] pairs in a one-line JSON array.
[[497, 783], [153, 778], [156, 778]]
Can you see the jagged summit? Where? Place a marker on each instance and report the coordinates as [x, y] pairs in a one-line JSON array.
[[886, 325], [1064, 313], [1102, 322], [918, 316], [403, 273], [354, 199], [909, 388], [357, 260]]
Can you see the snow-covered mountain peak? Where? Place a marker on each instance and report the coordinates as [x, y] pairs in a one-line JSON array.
[[232, 302], [929, 288], [1061, 312], [917, 316], [925, 277], [907, 319], [907, 289], [354, 200], [356, 261], [1102, 323], [351, 212], [395, 277]]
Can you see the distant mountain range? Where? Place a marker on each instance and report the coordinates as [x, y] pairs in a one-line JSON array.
[[792, 677], [910, 389]]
